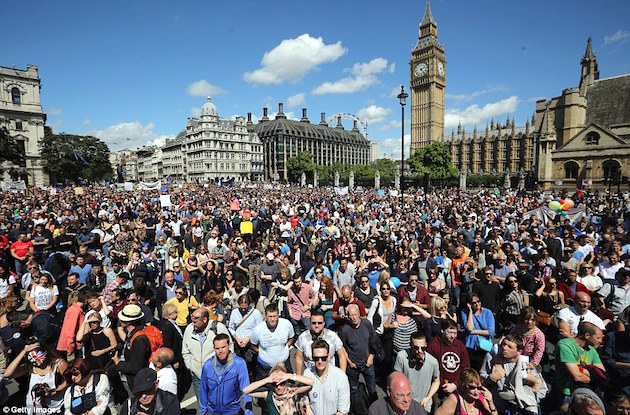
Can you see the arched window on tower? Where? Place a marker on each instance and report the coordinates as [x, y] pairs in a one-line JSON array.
[[611, 169], [16, 96], [592, 139], [571, 170]]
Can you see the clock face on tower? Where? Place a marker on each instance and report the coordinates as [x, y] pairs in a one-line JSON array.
[[440, 68], [421, 69]]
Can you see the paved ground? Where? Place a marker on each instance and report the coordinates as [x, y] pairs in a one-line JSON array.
[[189, 401]]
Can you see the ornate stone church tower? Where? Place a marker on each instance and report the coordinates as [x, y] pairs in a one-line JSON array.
[[428, 81]]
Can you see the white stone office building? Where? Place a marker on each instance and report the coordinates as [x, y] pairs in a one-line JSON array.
[[216, 149], [22, 115]]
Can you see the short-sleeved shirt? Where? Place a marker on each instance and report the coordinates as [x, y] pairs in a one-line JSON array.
[[182, 309], [567, 351], [574, 319], [421, 377], [305, 341], [43, 296], [330, 396], [4, 285], [272, 345]]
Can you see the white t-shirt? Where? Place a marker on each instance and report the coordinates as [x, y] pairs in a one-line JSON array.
[[43, 296], [167, 378], [573, 318], [272, 345], [4, 286]]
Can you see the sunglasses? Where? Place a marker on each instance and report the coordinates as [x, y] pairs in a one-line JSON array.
[[475, 302], [320, 358], [386, 289], [479, 388], [179, 292], [413, 280], [317, 323]]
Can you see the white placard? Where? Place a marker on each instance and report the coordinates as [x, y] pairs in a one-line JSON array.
[[165, 200]]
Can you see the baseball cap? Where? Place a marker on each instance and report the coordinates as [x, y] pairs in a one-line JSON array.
[[144, 381]]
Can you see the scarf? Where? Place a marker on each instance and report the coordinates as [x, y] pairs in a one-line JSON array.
[[285, 402]]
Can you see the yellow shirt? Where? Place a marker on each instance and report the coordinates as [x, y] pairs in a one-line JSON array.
[[182, 309]]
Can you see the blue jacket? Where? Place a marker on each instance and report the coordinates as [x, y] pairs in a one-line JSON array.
[[222, 395]]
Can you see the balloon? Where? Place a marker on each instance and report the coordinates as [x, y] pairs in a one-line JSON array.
[[557, 199], [554, 205], [396, 281], [563, 213], [561, 201], [568, 203]]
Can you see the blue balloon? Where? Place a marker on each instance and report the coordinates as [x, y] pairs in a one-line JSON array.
[[396, 281]]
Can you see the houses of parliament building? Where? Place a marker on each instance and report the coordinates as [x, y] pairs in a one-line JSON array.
[[580, 139]]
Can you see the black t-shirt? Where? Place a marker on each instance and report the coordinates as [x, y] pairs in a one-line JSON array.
[[488, 294]]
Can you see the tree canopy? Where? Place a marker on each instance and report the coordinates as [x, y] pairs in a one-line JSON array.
[[303, 162], [10, 149], [434, 159], [75, 157]]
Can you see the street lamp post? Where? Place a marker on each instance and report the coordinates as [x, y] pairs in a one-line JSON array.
[[402, 97]]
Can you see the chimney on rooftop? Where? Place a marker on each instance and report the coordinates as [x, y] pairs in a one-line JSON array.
[[280, 111], [323, 121], [339, 124], [264, 117], [304, 117]]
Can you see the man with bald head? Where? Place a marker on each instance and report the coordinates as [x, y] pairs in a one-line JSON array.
[[161, 362], [358, 337], [569, 318], [340, 307], [398, 400]]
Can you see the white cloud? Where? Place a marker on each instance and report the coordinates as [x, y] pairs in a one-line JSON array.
[[394, 92], [295, 100], [620, 36], [373, 114], [392, 124], [87, 121], [391, 147], [203, 88], [129, 135], [475, 94], [292, 59], [196, 112], [290, 115], [363, 76], [392, 68], [53, 111], [475, 115]]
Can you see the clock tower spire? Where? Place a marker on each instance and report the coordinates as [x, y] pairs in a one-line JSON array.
[[427, 84]]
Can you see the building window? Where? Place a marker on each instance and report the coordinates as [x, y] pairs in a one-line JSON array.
[[611, 170], [18, 125], [571, 170], [592, 139], [16, 96]]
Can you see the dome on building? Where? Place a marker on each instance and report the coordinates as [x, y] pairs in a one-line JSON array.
[[209, 109]]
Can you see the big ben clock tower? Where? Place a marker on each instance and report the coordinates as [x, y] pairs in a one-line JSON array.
[[428, 80]]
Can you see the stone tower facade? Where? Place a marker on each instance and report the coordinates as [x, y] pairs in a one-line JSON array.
[[428, 82]]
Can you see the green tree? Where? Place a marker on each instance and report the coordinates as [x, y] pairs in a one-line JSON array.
[[61, 163], [10, 149], [434, 159], [303, 162]]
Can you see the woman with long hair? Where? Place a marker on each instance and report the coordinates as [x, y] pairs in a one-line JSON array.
[[533, 337], [548, 297], [86, 393], [439, 311], [45, 371], [283, 393], [404, 325], [479, 329], [589, 278], [327, 297], [435, 284], [471, 397], [43, 296]]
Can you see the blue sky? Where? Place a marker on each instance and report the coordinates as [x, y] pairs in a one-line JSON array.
[[132, 72]]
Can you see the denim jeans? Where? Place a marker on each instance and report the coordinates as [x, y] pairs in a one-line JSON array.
[[196, 385], [368, 375], [301, 325]]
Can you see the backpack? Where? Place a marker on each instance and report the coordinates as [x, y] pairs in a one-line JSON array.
[[73, 294], [359, 400], [153, 334]]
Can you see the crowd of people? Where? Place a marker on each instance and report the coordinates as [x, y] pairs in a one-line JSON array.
[[306, 301]]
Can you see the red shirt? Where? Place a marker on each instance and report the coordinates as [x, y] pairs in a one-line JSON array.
[[21, 248], [452, 358], [337, 306]]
